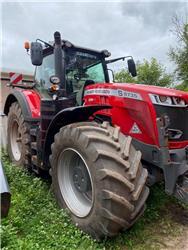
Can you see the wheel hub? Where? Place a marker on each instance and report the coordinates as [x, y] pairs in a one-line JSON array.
[[81, 179]]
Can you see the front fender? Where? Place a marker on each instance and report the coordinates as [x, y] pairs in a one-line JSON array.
[[65, 117], [28, 100]]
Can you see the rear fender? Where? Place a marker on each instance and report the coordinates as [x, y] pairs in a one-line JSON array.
[[65, 117]]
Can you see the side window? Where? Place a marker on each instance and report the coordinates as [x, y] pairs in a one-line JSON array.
[[96, 73], [45, 71]]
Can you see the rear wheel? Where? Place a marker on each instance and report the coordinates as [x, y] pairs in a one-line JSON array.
[[18, 136], [97, 176]]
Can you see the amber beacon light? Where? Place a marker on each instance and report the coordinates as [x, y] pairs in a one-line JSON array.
[[27, 46]]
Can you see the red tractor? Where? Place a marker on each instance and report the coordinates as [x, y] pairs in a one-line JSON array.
[[82, 129]]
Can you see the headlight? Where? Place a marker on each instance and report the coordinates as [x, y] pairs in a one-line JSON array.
[[167, 100], [178, 101]]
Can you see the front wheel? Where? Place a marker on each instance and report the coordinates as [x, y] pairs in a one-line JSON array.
[[97, 176]]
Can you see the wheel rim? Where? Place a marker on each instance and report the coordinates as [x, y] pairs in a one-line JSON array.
[[15, 140], [75, 182]]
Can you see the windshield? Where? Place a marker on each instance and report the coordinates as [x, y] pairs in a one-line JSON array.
[[82, 66]]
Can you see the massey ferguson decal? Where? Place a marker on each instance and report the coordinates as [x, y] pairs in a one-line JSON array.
[[15, 78], [113, 92]]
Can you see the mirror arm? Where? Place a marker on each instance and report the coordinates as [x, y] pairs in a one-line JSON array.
[[47, 44], [117, 59]]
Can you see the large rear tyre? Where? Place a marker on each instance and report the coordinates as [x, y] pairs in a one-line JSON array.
[[18, 137], [98, 177]]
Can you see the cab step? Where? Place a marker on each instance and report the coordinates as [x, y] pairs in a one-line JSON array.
[[34, 160], [35, 163]]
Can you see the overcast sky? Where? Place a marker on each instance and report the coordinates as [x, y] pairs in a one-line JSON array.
[[140, 29]]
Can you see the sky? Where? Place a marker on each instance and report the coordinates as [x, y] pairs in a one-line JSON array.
[[137, 28]]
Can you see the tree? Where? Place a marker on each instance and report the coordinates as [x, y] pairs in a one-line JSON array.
[[150, 73], [183, 86], [124, 76], [179, 54]]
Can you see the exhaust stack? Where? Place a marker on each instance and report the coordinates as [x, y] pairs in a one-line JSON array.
[[58, 59]]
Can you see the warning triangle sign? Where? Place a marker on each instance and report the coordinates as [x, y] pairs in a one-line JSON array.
[[135, 129]]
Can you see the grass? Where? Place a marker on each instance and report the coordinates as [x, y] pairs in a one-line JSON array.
[[35, 221]]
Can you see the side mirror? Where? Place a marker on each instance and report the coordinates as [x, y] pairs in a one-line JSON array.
[[36, 53], [132, 67]]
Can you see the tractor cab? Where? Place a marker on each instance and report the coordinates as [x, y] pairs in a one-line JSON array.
[[64, 70], [81, 67]]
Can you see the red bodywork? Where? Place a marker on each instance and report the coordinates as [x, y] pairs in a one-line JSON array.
[[134, 106], [33, 100]]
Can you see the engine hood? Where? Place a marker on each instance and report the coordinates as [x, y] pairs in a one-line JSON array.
[[140, 90], [150, 89], [133, 104]]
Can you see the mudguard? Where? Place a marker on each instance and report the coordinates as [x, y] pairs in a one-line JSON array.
[[30, 106], [65, 117], [5, 192]]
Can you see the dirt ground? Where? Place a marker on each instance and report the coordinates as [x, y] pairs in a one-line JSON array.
[[179, 241]]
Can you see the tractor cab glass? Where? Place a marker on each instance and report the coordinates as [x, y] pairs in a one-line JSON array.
[[81, 66]]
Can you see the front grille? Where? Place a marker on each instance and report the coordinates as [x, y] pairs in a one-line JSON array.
[[178, 118]]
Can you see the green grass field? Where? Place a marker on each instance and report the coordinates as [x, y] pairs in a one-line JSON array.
[[35, 221]]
